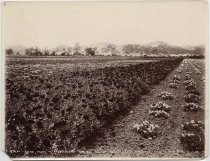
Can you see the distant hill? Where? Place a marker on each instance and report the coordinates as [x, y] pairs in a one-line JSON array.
[[162, 49], [154, 49], [105, 48], [135, 49], [59, 50]]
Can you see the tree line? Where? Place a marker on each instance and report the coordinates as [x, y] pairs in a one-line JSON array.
[[37, 52]]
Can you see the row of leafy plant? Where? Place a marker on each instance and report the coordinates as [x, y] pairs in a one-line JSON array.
[[57, 111], [193, 137], [160, 109]]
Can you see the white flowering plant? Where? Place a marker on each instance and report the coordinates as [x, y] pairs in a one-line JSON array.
[[174, 81], [160, 106], [173, 85], [196, 92], [191, 98], [190, 85], [147, 130], [179, 70], [166, 96], [176, 77], [191, 107], [159, 113], [159, 109]]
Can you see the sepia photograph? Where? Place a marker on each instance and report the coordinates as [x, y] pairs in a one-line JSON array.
[[105, 80]]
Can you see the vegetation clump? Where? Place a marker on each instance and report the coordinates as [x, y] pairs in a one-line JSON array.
[[147, 130], [159, 109], [58, 108], [193, 138], [191, 107], [166, 96]]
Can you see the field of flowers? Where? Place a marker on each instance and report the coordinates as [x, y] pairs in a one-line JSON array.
[[54, 106]]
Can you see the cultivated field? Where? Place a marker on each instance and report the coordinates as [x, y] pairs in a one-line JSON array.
[[176, 130], [105, 107]]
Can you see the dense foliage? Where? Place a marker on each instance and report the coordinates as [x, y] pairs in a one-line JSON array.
[[50, 110]]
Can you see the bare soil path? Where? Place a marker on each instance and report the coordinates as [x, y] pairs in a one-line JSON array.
[[119, 139]]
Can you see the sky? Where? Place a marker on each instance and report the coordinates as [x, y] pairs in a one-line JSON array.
[[50, 24]]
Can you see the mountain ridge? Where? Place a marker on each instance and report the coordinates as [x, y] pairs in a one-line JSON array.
[[155, 48]]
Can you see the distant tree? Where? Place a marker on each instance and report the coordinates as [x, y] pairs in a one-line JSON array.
[[37, 52], [77, 49], [95, 50], [63, 54], [46, 53], [9, 51], [53, 53], [112, 49], [90, 52], [40, 53], [28, 51]]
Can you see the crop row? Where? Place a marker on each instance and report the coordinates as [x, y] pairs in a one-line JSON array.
[[49, 112], [192, 138], [160, 110]]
